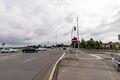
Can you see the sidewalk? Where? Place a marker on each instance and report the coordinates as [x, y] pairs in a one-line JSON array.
[[87, 68]]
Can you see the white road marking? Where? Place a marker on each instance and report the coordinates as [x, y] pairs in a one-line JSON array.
[[30, 59], [110, 72], [98, 57], [54, 67], [84, 58], [27, 60]]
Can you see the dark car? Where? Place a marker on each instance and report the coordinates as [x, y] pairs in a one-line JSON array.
[[25, 50], [64, 48]]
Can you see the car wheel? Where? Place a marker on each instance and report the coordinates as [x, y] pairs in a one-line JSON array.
[[23, 51], [36, 50]]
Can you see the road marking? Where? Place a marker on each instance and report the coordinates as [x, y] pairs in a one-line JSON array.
[[110, 72], [98, 57], [27, 60], [30, 59], [83, 58], [54, 67]]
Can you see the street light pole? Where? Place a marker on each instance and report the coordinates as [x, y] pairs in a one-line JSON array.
[[78, 32], [56, 40], [72, 32]]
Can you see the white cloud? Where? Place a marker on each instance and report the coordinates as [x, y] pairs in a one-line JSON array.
[[33, 21]]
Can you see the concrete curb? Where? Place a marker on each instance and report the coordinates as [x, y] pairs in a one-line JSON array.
[[54, 71]]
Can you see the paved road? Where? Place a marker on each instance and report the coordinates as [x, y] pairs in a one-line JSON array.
[[28, 66], [85, 66]]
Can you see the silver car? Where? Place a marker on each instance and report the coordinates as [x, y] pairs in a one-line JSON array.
[[8, 50], [116, 61], [41, 49]]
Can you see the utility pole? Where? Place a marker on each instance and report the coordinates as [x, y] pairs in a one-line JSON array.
[[78, 32], [56, 40]]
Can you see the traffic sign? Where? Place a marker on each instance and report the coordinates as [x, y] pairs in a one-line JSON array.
[[74, 40]]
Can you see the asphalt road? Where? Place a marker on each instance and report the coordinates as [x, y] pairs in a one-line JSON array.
[[87, 66], [28, 66]]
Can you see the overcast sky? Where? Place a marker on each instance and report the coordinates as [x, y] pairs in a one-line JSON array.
[[36, 21]]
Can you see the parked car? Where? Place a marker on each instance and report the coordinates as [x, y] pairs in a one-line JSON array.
[[41, 49], [8, 50], [116, 61], [28, 49], [64, 48]]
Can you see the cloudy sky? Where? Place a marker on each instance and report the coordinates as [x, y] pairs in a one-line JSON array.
[[36, 21]]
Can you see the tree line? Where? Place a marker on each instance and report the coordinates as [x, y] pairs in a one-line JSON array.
[[92, 44]]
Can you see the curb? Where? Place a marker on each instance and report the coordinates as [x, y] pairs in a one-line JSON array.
[[53, 73]]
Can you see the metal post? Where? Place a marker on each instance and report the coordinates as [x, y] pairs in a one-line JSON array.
[[56, 40], [72, 34], [78, 32], [74, 47]]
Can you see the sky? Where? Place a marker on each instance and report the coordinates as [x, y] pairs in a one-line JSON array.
[[41, 21]]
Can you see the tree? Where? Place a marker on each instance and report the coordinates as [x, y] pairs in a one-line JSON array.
[[119, 47], [97, 45], [83, 43], [91, 43], [111, 47]]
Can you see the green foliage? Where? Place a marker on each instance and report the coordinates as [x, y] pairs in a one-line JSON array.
[[83, 43], [92, 44], [112, 46], [119, 47], [89, 44]]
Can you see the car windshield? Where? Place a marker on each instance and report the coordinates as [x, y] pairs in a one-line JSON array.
[[117, 58], [6, 48]]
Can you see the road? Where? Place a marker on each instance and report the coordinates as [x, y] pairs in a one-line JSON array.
[[28, 66], [87, 66]]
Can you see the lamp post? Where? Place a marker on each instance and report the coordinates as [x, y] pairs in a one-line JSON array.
[[56, 40]]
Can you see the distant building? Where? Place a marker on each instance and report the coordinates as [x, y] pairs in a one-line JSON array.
[[115, 45], [106, 45]]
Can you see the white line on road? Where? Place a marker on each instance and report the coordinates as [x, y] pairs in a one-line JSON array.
[[98, 57], [30, 59], [110, 72], [54, 67], [84, 58], [27, 60]]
